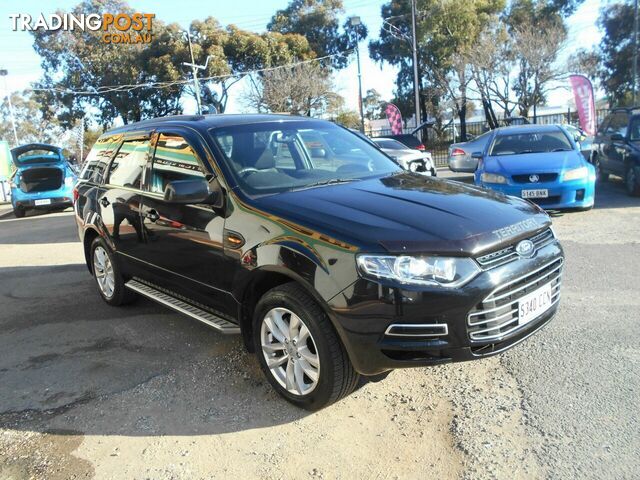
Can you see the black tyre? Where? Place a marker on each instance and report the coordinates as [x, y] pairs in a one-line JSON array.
[[601, 176], [107, 275], [19, 212], [632, 180], [299, 350]]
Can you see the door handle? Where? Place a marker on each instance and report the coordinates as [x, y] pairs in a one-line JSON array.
[[152, 215], [105, 202]]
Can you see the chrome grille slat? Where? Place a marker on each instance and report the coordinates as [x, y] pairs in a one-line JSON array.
[[508, 254], [490, 321]]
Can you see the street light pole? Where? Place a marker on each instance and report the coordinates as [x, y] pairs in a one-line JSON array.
[[355, 22], [635, 52], [194, 70], [3, 74], [414, 47]]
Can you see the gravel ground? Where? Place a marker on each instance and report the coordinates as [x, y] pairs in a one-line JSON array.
[[91, 391]]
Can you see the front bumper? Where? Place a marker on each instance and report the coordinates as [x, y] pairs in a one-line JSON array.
[[365, 312], [572, 194]]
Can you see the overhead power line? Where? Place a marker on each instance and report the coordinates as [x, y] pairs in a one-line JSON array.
[[133, 86]]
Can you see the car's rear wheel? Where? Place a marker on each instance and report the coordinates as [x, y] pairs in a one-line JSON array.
[[299, 350], [107, 275], [632, 180], [601, 176], [19, 212]]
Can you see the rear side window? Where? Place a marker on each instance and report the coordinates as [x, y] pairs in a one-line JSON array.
[[128, 166], [174, 159], [95, 165]]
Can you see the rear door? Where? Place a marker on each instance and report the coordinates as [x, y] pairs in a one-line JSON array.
[[184, 243], [615, 150], [118, 200]]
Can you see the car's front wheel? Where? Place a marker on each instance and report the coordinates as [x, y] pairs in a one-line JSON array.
[[107, 275], [632, 180], [601, 176], [19, 212], [299, 350]]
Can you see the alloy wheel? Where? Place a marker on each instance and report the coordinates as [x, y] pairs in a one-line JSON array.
[[290, 351], [104, 271]]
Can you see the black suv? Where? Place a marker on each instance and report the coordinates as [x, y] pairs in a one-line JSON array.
[[616, 148], [331, 266]]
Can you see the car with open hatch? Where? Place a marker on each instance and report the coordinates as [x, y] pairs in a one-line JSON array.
[[540, 163], [43, 179], [330, 265]]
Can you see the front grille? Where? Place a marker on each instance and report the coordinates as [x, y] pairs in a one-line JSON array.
[[542, 177], [497, 315], [507, 254]]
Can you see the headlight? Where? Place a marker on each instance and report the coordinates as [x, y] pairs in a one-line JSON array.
[[442, 271], [575, 174], [492, 178], [413, 166]]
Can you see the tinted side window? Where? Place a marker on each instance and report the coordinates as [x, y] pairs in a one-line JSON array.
[[128, 165], [174, 159], [96, 162], [618, 124], [634, 129]]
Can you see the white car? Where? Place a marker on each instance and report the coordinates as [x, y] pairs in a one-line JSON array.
[[412, 160]]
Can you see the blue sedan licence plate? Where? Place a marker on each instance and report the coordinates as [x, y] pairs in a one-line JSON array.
[[539, 193]]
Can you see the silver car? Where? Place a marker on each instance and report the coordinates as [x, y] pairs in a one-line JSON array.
[[412, 160], [460, 154]]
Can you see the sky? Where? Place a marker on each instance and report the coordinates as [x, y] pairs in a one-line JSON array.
[[19, 58]]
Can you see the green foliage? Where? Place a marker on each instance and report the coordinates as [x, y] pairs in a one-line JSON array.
[[31, 125], [372, 105], [318, 21], [616, 50], [348, 119]]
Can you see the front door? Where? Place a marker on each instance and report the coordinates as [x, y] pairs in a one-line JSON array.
[[183, 243]]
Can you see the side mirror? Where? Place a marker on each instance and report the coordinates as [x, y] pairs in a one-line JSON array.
[[617, 137], [477, 155], [189, 192]]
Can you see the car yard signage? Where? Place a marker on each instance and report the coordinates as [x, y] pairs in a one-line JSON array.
[[117, 28]]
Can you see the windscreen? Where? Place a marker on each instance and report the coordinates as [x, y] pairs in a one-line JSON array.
[[532, 142], [279, 156]]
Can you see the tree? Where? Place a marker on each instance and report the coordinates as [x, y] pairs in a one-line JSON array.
[[304, 89], [616, 52], [348, 119], [319, 22], [536, 55], [31, 124], [446, 32], [232, 52], [372, 104], [82, 61]]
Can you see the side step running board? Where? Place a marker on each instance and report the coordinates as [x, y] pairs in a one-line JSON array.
[[218, 323]]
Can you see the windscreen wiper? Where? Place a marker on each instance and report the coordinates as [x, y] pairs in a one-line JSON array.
[[323, 183]]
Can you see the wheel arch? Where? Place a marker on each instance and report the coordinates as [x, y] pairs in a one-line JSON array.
[[90, 234], [260, 281]]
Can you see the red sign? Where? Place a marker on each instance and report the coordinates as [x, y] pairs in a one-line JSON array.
[[395, 118], [585, 103]]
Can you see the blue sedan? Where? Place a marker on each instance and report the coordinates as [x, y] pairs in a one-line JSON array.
[[43, 179], [541, 163]]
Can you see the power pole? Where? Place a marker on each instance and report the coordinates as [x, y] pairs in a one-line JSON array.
[[414, 45], [635, 52], [4, 73], [194, 70], [355, 22]]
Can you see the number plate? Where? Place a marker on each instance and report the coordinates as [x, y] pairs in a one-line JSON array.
[[533, 305], [540, 193], [44, 201]]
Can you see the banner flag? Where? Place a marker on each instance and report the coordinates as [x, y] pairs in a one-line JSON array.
[[395, 118], [585, 102]]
